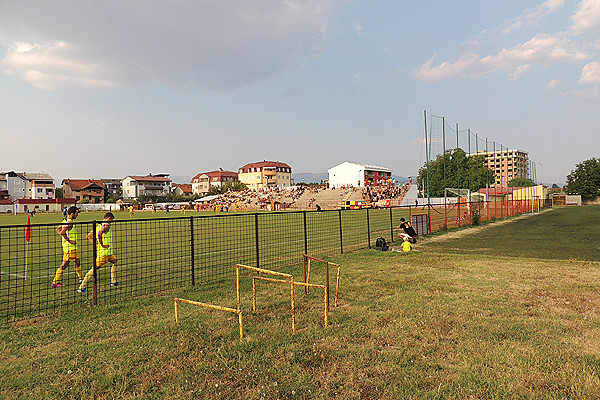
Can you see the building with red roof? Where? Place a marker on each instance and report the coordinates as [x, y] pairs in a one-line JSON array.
[[265, 174], [82, 189], [202, 182]]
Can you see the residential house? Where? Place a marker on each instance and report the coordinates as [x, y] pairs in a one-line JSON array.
[[202, 182], [27, 185], [84, 189], [182, 189], [149, 185], [265, 174], [113, 187]]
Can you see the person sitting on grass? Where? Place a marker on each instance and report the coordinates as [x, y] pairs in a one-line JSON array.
[[105, 253], [406, 246]]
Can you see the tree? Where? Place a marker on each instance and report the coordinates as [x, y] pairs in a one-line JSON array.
[[58, 193], [521, 182], [227, 187], [585, 179], [454, 169]]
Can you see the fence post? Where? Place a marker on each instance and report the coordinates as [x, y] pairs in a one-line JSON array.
[[368, 229], [256, 235], [391, 225], [341, 237], [192, 251], [305, 234], [95, 256]]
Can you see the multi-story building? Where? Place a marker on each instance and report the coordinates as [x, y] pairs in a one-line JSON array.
[[113, 187], [27, 185], [149, 185], [202, 182], [84, 189], [265, 174], [358, 175], [506, 164]]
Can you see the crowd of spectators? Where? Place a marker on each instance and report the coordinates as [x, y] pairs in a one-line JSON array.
[[244, 200], [376, 193]]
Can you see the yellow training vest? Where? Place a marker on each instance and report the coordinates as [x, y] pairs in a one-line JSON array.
[[106, 239], [72, 235]]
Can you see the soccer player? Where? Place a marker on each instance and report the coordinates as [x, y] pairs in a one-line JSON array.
[[69, 244], [105, 253]]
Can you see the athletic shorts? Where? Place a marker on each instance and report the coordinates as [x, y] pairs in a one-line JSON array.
[[70, 255], [100, 261]]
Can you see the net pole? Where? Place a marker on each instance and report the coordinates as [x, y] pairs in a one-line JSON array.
[[459, 184], [444, 159], [427, 159], [468, 166]]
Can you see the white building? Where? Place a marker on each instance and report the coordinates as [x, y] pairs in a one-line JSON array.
[[135, 186], [358, 175]]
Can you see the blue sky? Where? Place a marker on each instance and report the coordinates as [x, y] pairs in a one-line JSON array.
[[109, 89]]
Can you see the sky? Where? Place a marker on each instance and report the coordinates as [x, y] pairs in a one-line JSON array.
[[114, 88]]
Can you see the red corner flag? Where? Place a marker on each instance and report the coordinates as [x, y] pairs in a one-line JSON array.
[[28, 230]]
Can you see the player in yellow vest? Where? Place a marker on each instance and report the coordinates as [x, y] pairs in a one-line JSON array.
[[105, 253], [69, 245]]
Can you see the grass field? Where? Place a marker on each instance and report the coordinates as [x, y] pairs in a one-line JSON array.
[[459, 318]]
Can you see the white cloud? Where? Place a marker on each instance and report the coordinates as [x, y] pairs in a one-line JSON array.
[[587, 17], [542, 49], [590, 73], [533, 17], [554, 83], [190, 44]]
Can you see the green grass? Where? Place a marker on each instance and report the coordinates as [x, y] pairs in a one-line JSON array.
[[428, 325], [562, 233]]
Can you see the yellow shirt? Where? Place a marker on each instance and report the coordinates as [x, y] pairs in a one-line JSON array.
[[406, 247]]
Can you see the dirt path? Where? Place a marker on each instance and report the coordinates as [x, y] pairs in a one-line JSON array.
[[474, 229]]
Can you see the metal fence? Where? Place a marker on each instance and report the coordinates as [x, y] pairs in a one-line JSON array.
[[165, 253]]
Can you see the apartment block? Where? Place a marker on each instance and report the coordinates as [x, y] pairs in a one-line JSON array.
[[506, 164]]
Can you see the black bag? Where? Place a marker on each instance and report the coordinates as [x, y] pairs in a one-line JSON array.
[[381, 245]]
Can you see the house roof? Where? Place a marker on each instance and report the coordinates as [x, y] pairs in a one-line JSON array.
[[37, 176], [265, 163], [149, 178], [185, 187], [217, 174], [79, 184], [29, 176]]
